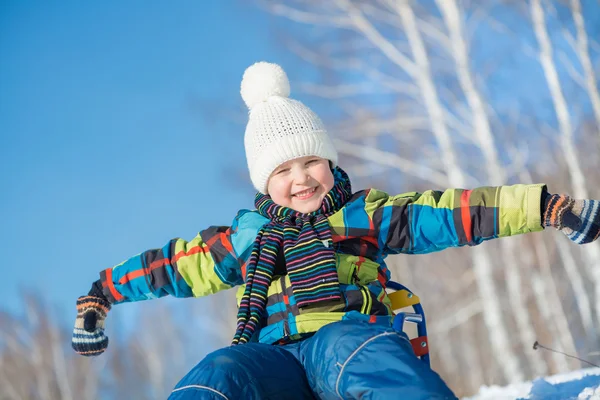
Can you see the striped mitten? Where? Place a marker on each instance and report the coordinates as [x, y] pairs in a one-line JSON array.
[[88, 336], [578, 219]]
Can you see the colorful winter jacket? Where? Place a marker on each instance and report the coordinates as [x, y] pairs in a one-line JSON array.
[[370, 226]]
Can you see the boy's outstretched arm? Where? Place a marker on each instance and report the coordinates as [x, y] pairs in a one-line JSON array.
[[202, 266], [211, 262], [434, 220]]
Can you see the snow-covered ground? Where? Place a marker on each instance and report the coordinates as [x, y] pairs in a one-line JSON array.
[[581, 385]]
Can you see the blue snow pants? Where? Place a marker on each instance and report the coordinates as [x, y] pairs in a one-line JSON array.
[[343, 360]]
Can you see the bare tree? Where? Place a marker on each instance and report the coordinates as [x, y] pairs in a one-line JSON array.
[[37, 362], [583, 53], [482, 134], [567, 140], [420, 57]]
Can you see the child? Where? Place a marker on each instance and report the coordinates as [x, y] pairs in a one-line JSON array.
[[314, 319]]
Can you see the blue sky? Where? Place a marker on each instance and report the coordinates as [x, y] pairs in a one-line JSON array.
[[121, 127]]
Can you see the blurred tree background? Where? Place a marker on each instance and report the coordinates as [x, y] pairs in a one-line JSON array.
[[418, 95]]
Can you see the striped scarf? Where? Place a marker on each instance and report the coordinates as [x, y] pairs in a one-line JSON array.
[[309, 255]]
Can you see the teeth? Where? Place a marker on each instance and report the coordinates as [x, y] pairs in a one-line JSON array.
[[306, 192]]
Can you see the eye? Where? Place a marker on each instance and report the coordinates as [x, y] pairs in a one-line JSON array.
[[281, 171], [312, 162]]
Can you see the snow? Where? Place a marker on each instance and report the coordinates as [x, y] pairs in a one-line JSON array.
[[583, 384]]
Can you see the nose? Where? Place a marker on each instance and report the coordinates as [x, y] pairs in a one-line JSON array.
[[300, 175]]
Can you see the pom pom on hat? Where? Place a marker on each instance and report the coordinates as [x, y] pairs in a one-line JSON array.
[[263, 80]]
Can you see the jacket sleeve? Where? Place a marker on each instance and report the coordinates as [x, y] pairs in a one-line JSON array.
[[425, 222], [211, 262]]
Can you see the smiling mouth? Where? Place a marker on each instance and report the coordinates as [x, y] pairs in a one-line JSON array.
[[305, 194]]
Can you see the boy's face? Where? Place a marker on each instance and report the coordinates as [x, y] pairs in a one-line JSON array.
[[301, 184]]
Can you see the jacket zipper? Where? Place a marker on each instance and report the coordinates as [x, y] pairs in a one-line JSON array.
[[367, 301], [355, 277], [286, 324]]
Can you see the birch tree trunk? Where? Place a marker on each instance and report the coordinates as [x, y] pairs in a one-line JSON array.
[[482, 263], [591, 251], [470, 354], [495, 173], [582, 299], [582, 51], [547, 299], [59, 364], [539, 292]]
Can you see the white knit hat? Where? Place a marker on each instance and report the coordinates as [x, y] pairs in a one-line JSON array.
[[279, 128]]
